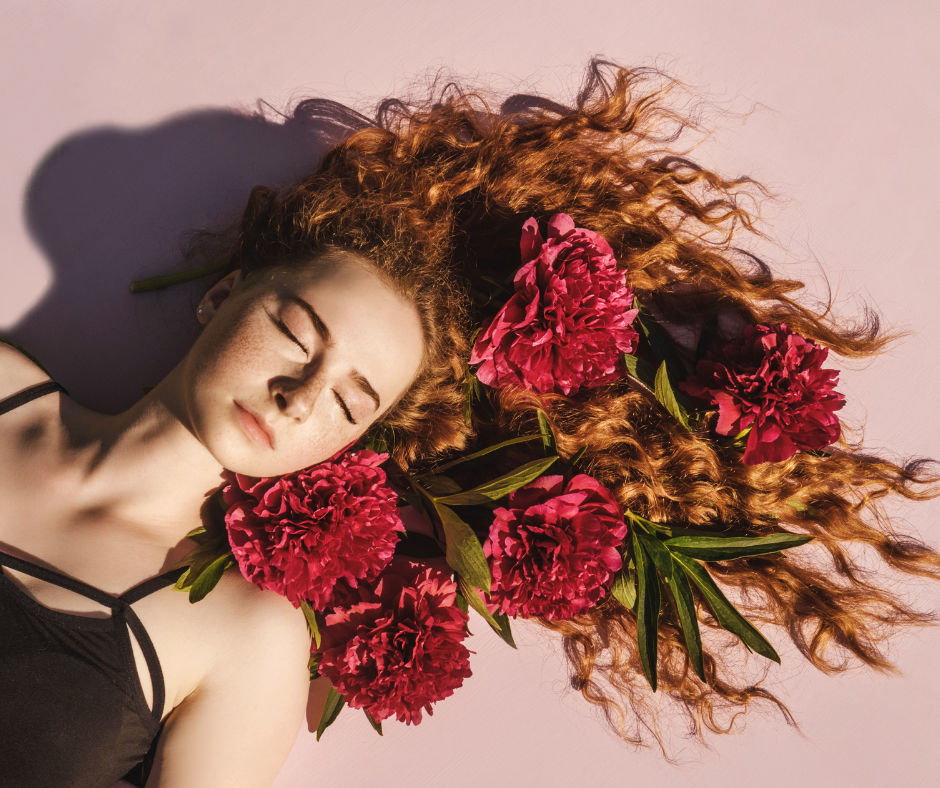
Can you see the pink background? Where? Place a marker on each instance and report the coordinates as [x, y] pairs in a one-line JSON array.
[[117, 136]]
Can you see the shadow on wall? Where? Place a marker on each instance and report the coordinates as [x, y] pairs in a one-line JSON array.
[[109, 205]]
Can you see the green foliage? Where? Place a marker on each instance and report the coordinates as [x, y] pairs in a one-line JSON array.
[[548, 437], [332, 708], [209, 578], [499, 622], [681, 596], [312, 625], [647, 611], [637, 368], [484, 452], [727, 548], [667, 396], [623, 589], [376, 726], [724, 611], [501, 487], [464, 552]]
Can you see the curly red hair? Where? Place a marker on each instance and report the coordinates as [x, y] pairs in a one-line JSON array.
[[434, 194]]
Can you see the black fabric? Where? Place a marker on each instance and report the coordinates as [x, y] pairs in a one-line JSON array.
[[72, 709], [34, 392]]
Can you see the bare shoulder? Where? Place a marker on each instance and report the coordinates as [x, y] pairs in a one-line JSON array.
[[17, 372], [258, 623], [237, 726]]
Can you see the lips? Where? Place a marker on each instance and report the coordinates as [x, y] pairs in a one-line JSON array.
[[255, 427]]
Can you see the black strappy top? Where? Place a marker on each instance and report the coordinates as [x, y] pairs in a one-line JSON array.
[[72, 707]]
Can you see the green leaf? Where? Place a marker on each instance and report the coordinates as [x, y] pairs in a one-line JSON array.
[[661, 343], [471, 392], [498, 488], [182, 582], [548, 437], [377, 726], [168, 280], [623, 588], [311, 621], [461, 601], [196, 532], [209, 578], [439, 485], [727, 548], [724, 611], [332, 708], [504, 631], [667, 397], [464, 551], [472, 598], [682, 596], [313, 665], [663, 528], [488, 450], [647, 611], [638, 369]]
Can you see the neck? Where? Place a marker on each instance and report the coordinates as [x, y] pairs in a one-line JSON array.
[[143, 468]]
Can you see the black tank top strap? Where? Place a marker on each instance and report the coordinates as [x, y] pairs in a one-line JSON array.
[[121, 611], [58, 579], [28, 395]]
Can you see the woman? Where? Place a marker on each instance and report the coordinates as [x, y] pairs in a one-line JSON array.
[[351, 299]]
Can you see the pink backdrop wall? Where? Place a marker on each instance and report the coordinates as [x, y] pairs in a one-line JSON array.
[[845, 125]]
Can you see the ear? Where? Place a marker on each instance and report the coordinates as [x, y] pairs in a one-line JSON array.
[[216, 294]]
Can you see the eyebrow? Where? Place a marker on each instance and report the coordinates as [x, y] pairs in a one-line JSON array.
[[357, 377], [360, 380], [317, 321]]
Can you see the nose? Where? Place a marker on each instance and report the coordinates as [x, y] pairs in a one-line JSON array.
[[295, 398]]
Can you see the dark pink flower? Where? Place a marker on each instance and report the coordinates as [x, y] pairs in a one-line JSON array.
[[301, 533], [568, 323], [400, 648], [772, 381], [553, 551]]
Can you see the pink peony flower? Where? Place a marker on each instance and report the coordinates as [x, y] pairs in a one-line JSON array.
[[568, 323], [400, 648], [553, 552], [302, 533], [772, 381]]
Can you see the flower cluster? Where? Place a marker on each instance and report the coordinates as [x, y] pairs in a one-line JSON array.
[[400, 647], [771, 381], [553, 551], [389, 634], [301, 534], [568, 323]]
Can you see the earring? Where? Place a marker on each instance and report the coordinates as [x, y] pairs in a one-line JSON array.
[[199, 311]]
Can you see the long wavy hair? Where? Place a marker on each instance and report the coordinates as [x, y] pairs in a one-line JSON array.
[[433, 193]]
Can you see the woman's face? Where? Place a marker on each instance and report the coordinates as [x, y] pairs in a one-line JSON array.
[[296, 363]]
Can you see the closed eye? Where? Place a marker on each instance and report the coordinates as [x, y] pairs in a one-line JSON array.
[[342, 404], [287, 332]]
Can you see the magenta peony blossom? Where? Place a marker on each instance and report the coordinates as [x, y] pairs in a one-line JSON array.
[[300, 534], [772, 381], [400, 648], [568, 323], [553, 552]]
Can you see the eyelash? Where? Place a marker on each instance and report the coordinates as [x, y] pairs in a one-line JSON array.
[[287, 332], [342, 404]]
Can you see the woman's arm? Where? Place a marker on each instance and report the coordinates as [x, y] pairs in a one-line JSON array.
[[238, 727]]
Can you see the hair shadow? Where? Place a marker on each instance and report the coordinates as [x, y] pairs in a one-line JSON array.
[[110, 205]]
